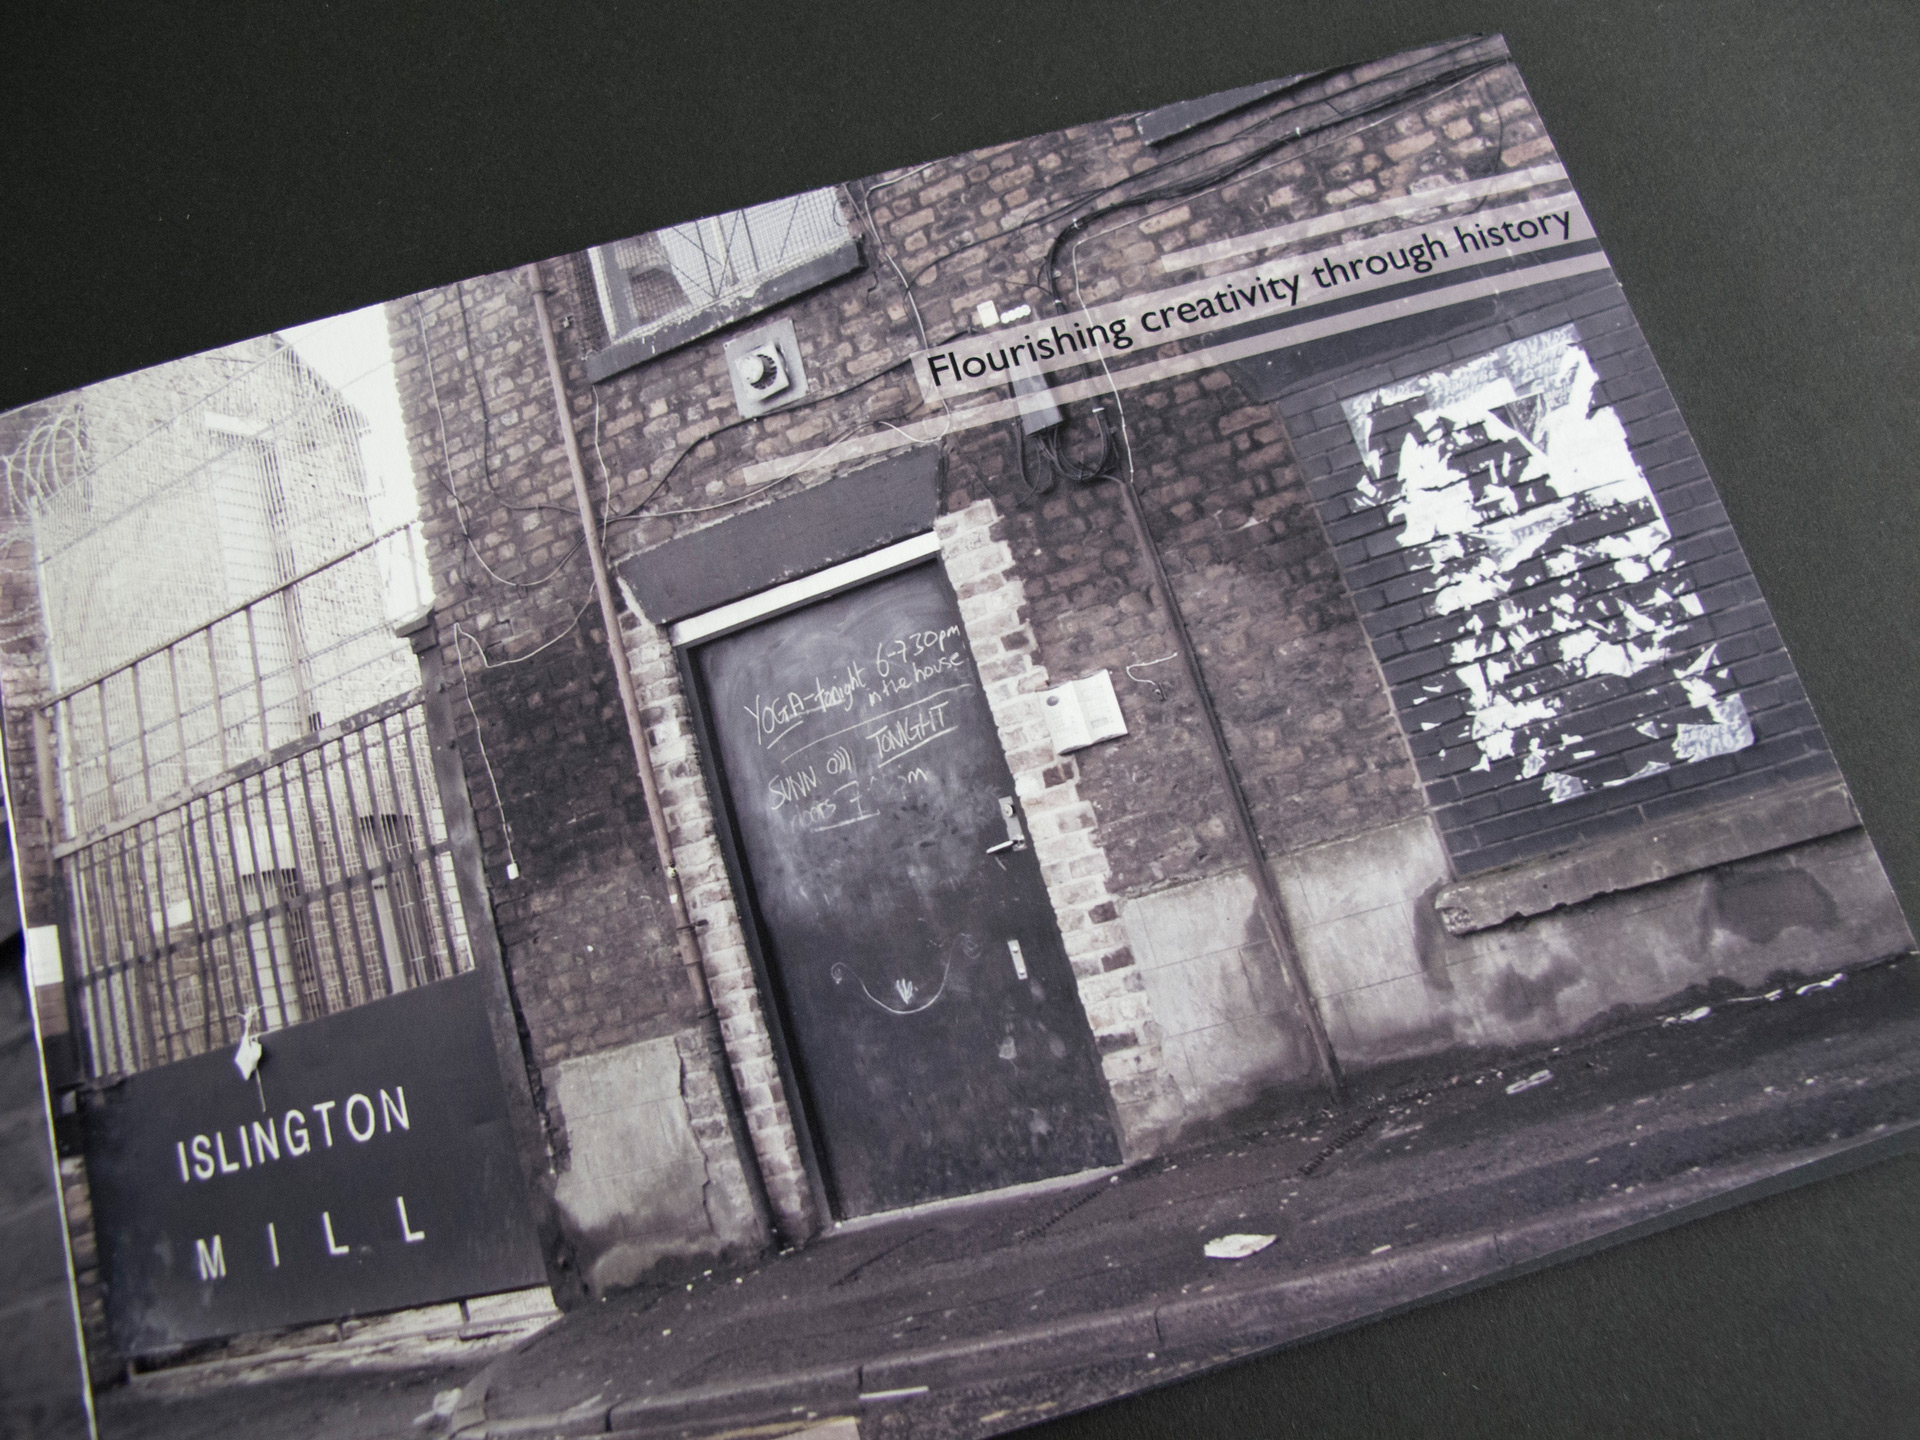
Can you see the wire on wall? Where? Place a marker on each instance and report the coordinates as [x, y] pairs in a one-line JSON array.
[[866, 203], [480, 739], [478, 377], [640, 511], [446, 482], [1048, 451]]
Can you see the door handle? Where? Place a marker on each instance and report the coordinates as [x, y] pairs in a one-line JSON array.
[[1016, 837]]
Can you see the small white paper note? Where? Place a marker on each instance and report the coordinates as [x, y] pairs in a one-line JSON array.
[[1237, 1247], [1083, 712]]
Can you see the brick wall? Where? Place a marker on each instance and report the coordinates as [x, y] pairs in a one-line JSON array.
[[711, 907], [1312, 733], [1316, 742], [1316, 638], [585, 925], [77, 1201], [1062, 825], [1312, 737]]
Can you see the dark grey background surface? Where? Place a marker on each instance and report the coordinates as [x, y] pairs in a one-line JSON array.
[[180, 177]]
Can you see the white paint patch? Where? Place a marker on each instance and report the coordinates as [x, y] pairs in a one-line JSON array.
[[1692, 1017], [1652, 767], [1521, 498]]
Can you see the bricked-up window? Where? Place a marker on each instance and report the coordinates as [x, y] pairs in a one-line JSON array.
[[1568, 629], [664, 289]]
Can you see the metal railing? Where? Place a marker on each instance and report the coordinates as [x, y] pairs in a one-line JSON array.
[[320, 881], [282, 666], [144, 447]]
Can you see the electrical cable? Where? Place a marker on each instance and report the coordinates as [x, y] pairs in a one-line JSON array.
[[466, 688], [1119, 405], [1051, 440], [1273, 912], [906, 282], [1399, 100], [606, 475], [864, 206], [1081, 197], [506, 825], [1440, 82], [866, 202], [546, 644], [486, 413], [446, 482]]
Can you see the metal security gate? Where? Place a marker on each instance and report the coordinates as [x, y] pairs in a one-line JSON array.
[[249, 843], [236, 865], [319, 881], [360, 1158]]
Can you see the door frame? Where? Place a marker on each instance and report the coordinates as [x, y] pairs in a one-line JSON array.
[[688, 635]]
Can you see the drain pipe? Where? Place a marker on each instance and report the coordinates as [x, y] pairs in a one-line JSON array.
[[684, 932], [1273, 916]]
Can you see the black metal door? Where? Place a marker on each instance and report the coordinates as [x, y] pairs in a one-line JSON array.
[[931, 1013]]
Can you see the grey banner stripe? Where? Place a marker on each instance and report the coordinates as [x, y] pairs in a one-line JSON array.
[[937, 427]]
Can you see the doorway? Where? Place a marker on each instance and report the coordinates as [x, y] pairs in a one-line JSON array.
[[926, 1004]]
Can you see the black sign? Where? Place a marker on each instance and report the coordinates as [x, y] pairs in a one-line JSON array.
[[367, 1165]]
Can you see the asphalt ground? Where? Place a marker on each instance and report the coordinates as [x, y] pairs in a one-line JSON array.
[[978, 1318]]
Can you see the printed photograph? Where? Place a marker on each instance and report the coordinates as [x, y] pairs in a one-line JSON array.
[[914, 807]]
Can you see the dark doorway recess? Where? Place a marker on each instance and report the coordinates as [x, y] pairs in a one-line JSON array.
[[929, 1009]]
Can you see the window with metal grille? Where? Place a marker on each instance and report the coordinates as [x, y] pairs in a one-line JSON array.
[[663, 289]]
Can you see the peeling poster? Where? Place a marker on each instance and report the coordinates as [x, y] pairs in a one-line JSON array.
[[1549, 556]]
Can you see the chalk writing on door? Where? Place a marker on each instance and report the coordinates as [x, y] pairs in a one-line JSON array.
[[833, 733], [913, 999]]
